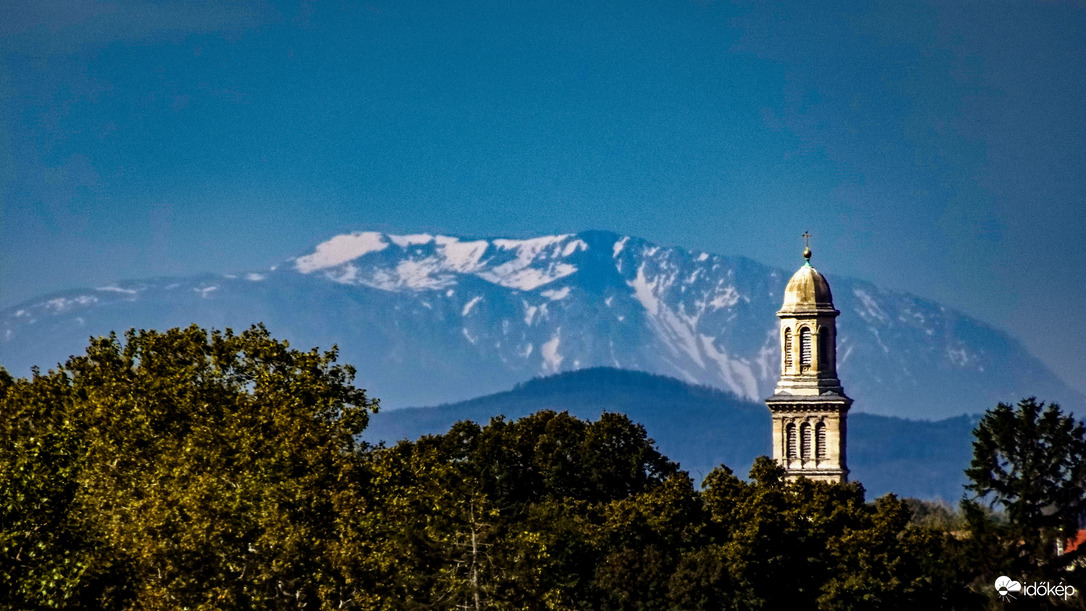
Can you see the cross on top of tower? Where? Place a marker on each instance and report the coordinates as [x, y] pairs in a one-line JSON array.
[[807, 246]]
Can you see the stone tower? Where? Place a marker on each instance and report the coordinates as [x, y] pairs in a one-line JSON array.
[[809, 407]]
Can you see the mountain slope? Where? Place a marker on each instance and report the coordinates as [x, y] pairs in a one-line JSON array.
[[431, 319], [700, 428]]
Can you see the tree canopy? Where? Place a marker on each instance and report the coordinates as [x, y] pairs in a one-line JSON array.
[[180, 469], [1029, 462], [189, 469]]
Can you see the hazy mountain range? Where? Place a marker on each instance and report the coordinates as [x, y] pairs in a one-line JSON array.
[[701, 427], [434, 319]]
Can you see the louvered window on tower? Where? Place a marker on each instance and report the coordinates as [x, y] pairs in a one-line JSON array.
[[787, 348], [790, 433], [805, 347], [804, 441], [823, 349], [820, 441]]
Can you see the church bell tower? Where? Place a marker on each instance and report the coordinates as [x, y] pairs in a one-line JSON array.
[[809, 407]]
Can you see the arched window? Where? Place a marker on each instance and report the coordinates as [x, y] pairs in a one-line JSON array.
[[805, 441], [787, 349], [790, 441], [824, 349], [820, 440], [805, 348]]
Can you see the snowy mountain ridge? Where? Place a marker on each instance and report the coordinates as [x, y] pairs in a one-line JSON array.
[[449, 256], [424, 262], [472, 316]]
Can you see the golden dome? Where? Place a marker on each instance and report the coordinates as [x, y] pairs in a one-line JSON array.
[[807, 290]]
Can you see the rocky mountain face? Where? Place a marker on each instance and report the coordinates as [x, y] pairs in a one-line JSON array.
[[432, 319]]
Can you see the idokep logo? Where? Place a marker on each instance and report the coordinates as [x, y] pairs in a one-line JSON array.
[[1007, 588]]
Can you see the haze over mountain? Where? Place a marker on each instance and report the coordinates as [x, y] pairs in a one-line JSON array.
[[432, 319], [701, 428]]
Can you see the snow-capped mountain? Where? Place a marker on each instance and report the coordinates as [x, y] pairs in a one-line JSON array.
[[431, 319]]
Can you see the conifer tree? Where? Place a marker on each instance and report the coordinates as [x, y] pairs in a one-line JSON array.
[[1030, 460]]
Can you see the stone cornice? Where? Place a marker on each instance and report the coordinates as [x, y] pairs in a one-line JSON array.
[[827, 399], [803, 313]]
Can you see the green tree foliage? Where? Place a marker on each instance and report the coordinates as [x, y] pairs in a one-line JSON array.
[[1030, 460], [1029, 465], [509, 513], [198, 470], [813, 545], [47, 558], [496, 517], [182, 470], [935, 514], [641, 542]]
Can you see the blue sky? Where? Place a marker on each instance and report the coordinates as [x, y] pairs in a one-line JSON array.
[[937, 148]]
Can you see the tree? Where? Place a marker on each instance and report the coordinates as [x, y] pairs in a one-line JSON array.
[[800, 544], [642, 539], [520, 513], [48, 559], [1031, 461], [184, 469]]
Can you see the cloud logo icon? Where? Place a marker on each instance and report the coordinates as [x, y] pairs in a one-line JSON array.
[[1005, 586]]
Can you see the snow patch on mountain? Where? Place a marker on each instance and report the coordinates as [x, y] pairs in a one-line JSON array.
[[462, 257], [769, 356], [870, 311], [530, 248], [518, 274], [643, 290], [557, 294], [679, 335], [878, 340], [116, 289], [725, 299], [960, 356], [552, 360], [469, 305], [619, 245], [737, 373], [63, 304], [574, 246], [529, 313], [434, 262], [346, 274], [341, 249], [405, 241], [421, 274]]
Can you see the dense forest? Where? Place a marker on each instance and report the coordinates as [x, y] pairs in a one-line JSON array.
[[189, 469]]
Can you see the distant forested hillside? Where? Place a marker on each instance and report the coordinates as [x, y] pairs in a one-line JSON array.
[[702, 427]]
